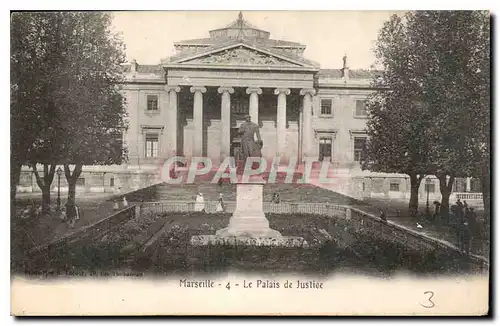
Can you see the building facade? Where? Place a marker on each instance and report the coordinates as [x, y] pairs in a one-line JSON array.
[[192, 103]]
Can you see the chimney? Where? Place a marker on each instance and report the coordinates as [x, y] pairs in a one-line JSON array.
[[133, 65], [345, 68]]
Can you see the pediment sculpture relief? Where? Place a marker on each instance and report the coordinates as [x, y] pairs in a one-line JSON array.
[[241, 56]]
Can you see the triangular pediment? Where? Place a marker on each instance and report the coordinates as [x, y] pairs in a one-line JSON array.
[[241, 55]]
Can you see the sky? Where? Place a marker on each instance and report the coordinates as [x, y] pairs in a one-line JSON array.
[[328, 35]]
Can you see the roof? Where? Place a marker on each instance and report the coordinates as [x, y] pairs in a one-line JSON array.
[[214, 41], [251, 42], [353, 73], [240, 23]]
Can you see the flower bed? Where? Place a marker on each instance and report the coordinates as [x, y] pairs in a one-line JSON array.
[[90, 255], [334, 244]]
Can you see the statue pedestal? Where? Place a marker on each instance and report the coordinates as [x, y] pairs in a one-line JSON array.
[[248, 218], [248, 226]]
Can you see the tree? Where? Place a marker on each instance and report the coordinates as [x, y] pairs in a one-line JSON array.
[[35, 59], [93, 107], [397, 119], [439, 59], [76, 104], [453, 59], [31, 53]]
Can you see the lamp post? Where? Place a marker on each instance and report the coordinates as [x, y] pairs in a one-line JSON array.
[[59, 172], [427, 184]]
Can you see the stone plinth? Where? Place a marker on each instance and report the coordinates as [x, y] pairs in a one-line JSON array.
[[248, 219], [282, 241]]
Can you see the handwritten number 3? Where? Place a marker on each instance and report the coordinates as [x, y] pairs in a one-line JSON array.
[[430, 297]]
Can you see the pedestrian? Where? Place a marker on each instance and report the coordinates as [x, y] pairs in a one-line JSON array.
[[115, 205], [437, 209], [220, 204], [466, 237], [125, 202], [77, 212], [383, 217], [199, 206], [473, 226], [62, 214], [276, 198]]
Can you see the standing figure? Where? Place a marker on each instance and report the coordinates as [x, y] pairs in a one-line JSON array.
[[437, 209], [249, 147], [199, 206], [63, 215], [220, 204], [125, 202], [77, 212]]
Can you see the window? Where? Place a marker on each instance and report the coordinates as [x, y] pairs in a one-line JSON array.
[[80, 182], [359, 148], [151, 145], [152, 102], [394, 186], [325, 149], [361, 108], [431, 187], [326, 106], [112, 182]]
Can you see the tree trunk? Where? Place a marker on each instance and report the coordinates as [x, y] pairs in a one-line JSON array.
[[445, 189], [71, 178], [414, 186], [48, 176]]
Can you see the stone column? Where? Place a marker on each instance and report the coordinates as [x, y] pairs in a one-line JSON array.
[[467, 184], [281, 120], [198, 120], [225, 121], [172, 130], [307, 120], [254, 103]]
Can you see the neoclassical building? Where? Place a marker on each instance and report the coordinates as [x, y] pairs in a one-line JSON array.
[[192, 103]]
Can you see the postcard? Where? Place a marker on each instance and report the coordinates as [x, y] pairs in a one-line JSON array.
[[322, 163]]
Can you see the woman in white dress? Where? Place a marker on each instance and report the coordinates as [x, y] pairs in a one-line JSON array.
[[220, 204], [199, 206]]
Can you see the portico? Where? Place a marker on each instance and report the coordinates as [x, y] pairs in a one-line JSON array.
[[278, 111]]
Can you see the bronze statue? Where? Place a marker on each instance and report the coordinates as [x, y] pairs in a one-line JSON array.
[[249, 147]]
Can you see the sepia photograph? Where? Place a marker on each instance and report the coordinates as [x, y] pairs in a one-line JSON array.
[[250, 163]]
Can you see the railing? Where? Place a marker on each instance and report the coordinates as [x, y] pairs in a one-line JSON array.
[[467, 196], [230, 206]]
